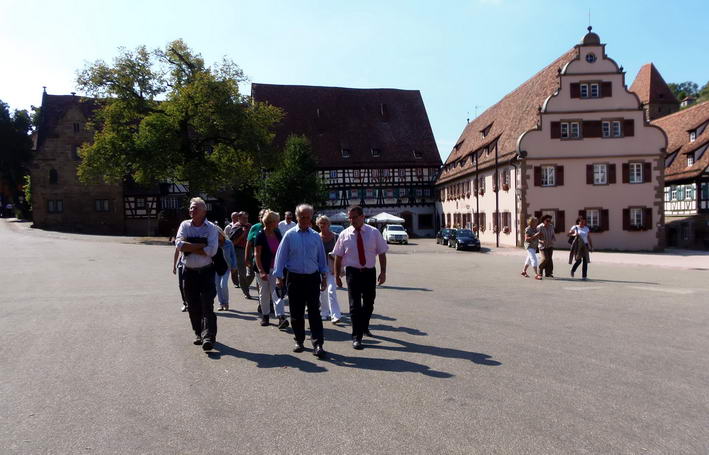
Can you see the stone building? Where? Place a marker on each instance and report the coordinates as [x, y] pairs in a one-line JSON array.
[[374, 147], [656, 97], [571, 140], [687, 177]]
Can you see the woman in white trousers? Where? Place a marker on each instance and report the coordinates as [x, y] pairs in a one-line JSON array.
[[531, 243], [329, 308]]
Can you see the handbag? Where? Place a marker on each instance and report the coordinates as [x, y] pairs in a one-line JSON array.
[[220, 265]]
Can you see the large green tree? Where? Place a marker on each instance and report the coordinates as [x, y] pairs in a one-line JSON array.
[[294, 179], [683, 89], [15, 146], [165, 115]]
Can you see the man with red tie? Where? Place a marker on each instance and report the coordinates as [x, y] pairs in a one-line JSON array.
[[357, 249]]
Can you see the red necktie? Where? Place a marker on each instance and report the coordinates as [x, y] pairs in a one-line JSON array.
[[360, 247]]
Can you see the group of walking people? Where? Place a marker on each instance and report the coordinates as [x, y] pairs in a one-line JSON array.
[[540, 237], [292, 264]]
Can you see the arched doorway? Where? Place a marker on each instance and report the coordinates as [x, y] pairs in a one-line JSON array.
[[408, 222]]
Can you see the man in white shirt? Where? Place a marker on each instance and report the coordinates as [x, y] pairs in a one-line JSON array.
[[287, 223], [198, 240]]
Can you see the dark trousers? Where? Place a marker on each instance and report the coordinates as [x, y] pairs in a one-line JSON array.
[[584, 268], [200, 291], [361, 291], [181, 282], [304, 290], [244, 275], [546, 268]]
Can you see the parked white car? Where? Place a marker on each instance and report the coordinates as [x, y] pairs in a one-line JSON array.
[[395, 233]]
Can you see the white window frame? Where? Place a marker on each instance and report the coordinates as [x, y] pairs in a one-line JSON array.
[[333, 174], [616, 130], [689, 193], [574, 130], [690, 160], [692, 136], [376, 153], [593, 218], [635, 173], [548, 175], [583, 90], [673, 192], [636, 217], [564, 130], [597, 90], [606, 128], [600, 174]]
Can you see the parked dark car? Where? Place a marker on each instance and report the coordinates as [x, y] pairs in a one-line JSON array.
[[463, 239], [443, 236]]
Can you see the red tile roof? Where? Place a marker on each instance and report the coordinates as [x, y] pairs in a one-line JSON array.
[[53, 109], [514, 114], [651, 87], [332, 118], [677, 126]]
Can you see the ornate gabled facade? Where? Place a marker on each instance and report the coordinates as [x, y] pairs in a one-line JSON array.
[[687, 177], [571, 140], [655, 95], [374, 147]]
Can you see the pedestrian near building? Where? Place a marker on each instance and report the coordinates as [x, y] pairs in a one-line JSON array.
[[301, 252], [531, 243], [198, 240], [357, 249], [329, 307], [239, 236], [581, 246], [226, 249], [267, 242], [227, 231], [249, 255], [546, 246], [287, 223], [178, 268]]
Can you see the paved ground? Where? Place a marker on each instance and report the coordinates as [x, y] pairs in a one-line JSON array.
[[468, 358]]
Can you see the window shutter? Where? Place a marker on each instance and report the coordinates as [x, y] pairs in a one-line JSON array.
[[592, 128], [559, 222], [626, 173], [589, 174], [647, 219], [647, 172], [582, 213], [537, 176], [611, 173], [559, 176], [606, 89], [626, 219], [628, 127], [604, 221], [575, 90], [555, 130]]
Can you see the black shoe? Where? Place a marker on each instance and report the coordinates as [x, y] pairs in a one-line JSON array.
[[319, 352], [357, 345], [198, 340], [368, 333], [207, 345], [298, 347], [264, 321], [258, 308], [184, 307], [282, 323]]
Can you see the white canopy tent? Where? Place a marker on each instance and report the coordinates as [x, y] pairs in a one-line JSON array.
[[386, 218], [338, 217]]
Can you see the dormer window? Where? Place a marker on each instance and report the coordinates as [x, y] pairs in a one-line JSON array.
[[595, 91], [317, 112], [690, 160], [584, 90], [692, 136], [384, 112], [346, 153], [485, 131], [418, 154], [376, 153]]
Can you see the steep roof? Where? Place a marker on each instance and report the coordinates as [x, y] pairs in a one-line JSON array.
[[359, 120], [505, 121], [651, 87], [677, 127], [54, 107]]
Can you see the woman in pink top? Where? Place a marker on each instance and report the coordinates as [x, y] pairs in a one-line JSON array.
[[266, 243]]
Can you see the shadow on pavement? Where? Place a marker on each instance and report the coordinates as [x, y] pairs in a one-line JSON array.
[[266, 360], [382, 317], [475, 357], [388, 328], [394, 365], [236, 314], [594, 280], [403, 288]]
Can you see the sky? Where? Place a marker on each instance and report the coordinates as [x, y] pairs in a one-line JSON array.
[[462, 55]]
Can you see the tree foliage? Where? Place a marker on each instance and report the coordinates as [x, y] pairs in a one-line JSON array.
[[15, 145], [683, 89], [165, 116], [294, 179]]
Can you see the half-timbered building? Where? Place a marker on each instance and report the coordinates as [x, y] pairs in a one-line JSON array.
[[571, 140], [686, 189], [374, 147]]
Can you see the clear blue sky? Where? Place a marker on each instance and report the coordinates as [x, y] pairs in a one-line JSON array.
[[459, 54]]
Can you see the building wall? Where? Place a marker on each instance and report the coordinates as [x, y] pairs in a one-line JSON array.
[[78, 200], [415, 230]]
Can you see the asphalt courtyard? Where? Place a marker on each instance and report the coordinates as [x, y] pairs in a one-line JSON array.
[[468, 357]]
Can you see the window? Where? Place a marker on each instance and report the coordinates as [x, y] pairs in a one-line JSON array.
[[673, 193], [593, 218], [140, 202], [584, 90], [369, 193], [606, 129], [692, 136], [333, 195], [75, 153], [689, 192], [427, 192], [376, 173], [636, 173], [600, 174], [690, 160], [680, 193], [355, 173], [354, 194], [55, 205], [419, 173], [564, 130], [76, 128], [346, 153], [548, 175], [575, 131], [333, 174], [53, 177], [616, 128], [376, 153], [418, 155], [419, 192], [402, 173], [636, 217], [595, 92], [101, 205]]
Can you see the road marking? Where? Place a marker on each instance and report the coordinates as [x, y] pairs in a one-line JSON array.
[[668, 290]]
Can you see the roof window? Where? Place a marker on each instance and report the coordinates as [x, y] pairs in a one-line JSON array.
[[346, 153], [418, 154], [485, 131], [376, 153]]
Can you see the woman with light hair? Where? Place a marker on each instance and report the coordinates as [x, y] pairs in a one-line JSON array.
[[329, 307], [266, 244], [531, 243]]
